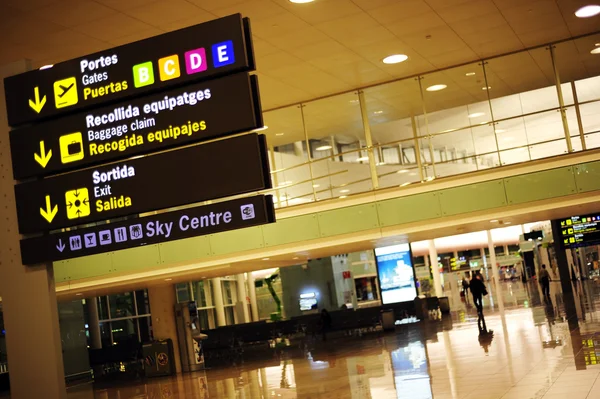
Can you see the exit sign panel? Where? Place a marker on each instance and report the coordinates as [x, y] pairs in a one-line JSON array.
[[200, 52], [214, 170]]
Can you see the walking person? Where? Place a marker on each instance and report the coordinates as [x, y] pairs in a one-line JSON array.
[[478, 291], [544, 279], [465, 289]]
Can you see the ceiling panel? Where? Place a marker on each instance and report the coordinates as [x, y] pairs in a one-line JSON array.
[[305, 50]]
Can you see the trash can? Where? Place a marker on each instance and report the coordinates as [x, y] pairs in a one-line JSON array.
[[445, 305], [388, 320], [158, 358], [421, 308]]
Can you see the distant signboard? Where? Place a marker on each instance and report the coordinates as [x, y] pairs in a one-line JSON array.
[[396, 274], [579, 231]]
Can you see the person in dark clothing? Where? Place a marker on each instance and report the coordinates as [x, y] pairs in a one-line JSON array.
[[465, 289], [478, 290], [325, 323], [545, 282]]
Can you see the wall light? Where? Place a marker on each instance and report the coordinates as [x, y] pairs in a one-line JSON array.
[[324, 148], [595, 51]]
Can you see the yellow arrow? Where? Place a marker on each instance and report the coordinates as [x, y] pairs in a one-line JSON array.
[[44, 156], [49, 212], [37, 105]]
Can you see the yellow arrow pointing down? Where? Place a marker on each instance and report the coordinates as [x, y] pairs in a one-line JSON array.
[[37, 105], [44, 157], [49, 212]]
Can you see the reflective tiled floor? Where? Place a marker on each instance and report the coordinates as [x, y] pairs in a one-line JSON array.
[[534, 353]]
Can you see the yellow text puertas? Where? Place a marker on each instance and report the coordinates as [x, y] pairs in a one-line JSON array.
[[65, 92], [71, 147], [78, 203]]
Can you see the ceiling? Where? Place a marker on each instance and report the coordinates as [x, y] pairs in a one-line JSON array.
[[304, 51]]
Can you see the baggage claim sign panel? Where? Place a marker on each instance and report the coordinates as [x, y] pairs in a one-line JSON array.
[[200, 52], [180, 116], [193, 174]]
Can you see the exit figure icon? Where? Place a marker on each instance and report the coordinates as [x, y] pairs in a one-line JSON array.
[[78, 203]]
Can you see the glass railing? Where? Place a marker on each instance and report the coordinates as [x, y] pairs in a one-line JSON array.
[[534, 104]]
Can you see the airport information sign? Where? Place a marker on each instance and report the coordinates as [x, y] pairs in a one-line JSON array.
[[193, 174], [578, 231], [153, 229], [101, 135], [179, 116], [200, 52]]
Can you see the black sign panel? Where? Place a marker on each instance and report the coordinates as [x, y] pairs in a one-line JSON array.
[[211, 49], [169, 226], [208, 171], [578, 231], [181, 116]]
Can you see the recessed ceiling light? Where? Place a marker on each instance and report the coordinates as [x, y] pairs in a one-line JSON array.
[[324, 148], [316, 185], [402, 171], [362, 159], [285, 183], [301, 1], [588, 11], [507, 222], [260, 129], [343, 196], [405, 184], [344, 191], [354, 101], [168, 279], [46, 67], [596, 50], [79, 294], [486, 88], [378, 112], [499, 131], [395, 59], [380, 163], [266, 258], [476, 114], [494, 221], [470, 74], [295, 257], [430, 178], [436, 88], [279, 134]]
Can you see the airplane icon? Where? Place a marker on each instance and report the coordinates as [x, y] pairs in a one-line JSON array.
[[65, 92], [65, 89]]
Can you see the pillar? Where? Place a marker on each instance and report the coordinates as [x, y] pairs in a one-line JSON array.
[[435, 269], [252, 295], [94, 322], [162, 307], [242, 294], [33, 341], [217, 290], [495, 273], [561, 259]]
